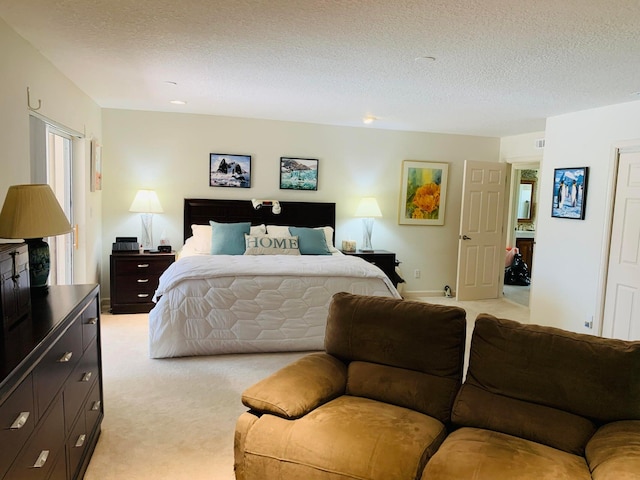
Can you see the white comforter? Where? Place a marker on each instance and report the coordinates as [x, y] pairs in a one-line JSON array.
[[227, 304]]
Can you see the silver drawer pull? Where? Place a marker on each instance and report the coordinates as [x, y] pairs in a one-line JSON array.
[[86, 377], [66, 357], [20, 421], [81, 440], [96, 406], [143, 280], [143, 265], [42, 459], [143, 295], [92, 321]]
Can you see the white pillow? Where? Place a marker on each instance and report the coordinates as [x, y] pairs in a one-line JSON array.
[[270, 245], [283, 231], [200, 242]]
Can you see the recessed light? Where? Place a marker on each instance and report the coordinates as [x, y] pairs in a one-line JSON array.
[[369, 119], [178, 102]]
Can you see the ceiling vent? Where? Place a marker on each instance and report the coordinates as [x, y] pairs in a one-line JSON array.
[[540, 143]]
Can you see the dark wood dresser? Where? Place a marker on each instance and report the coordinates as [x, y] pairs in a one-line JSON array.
[[15, 295], [51, 387], [134, 280]]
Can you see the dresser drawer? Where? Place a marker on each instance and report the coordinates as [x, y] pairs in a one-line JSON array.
[[57, 365], [79, 383], [17, 420], [38, 458], [143, 267], [90, 319]]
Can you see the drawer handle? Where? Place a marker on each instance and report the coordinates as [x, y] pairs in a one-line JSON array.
[[143, 295], [42, 459], [143, 280], [81, 440], [96, 406], [66, 357], [143, 265], [20, 421], [86, 377], [92, 321]]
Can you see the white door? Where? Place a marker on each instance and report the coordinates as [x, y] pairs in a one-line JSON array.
[[622, 296], [481, 251]]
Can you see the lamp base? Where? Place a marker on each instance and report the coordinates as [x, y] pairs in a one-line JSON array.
[[39, 265]]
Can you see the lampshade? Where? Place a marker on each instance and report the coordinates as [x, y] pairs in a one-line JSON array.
[[368, 208], [32, 211], [146, 201]]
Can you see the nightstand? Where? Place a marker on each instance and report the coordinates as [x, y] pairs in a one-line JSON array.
[[134, 279], [384, 260]]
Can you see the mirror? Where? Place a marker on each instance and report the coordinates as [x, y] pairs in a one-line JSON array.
[[525, 201]]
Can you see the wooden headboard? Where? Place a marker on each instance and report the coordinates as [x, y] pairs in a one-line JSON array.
[[299, 214]]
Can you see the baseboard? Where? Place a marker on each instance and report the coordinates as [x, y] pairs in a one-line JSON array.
[[422, 293]]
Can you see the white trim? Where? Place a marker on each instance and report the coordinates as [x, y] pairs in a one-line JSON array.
[[423, 293]]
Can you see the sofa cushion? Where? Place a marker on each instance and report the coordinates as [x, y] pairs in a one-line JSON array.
[[614, 451], [586, 375], [347, 438], [471, 453], [475, 407], [399, 333], [418, 391]]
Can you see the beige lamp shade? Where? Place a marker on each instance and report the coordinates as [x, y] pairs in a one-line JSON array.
[[146, 201], [368, 208], [32, 211]]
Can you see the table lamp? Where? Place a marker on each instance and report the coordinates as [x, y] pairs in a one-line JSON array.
[[368, 209], [31, 212], [146, 203]]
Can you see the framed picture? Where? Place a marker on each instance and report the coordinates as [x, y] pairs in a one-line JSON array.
[[95, 182], [229, 170], [423, 193], [298, 173], [569, 192]]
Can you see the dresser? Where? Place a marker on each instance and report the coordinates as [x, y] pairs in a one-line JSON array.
[[134, 279], [15, 297], [51, 387]]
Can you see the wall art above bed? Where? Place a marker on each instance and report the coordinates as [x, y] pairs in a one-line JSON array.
[[298, 173], [229, 170]]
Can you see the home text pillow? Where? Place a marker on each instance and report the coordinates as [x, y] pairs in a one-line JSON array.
[[270, 245], [228, 238], [312, 240], [200, 242]]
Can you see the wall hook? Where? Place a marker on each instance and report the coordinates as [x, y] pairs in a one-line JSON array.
[[29, 102]]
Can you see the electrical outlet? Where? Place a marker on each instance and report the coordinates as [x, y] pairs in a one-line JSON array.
[[416, 273], [589, 321]]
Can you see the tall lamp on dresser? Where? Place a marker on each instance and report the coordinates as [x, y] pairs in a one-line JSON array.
[[32, 212]]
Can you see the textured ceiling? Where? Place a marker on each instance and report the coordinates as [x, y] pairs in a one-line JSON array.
[[501, 67]]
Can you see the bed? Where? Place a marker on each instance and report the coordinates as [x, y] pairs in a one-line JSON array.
[[209, 303]]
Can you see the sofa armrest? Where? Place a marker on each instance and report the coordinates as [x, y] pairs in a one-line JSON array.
[[298, 388], [613, 453]]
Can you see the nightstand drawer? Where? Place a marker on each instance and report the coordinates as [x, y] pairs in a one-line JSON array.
[[148, 266]]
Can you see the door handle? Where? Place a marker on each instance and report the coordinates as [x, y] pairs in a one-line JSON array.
[[464, 237]]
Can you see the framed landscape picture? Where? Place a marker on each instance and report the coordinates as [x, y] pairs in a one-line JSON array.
[[298, 173], [569, 192], [229, 170], [423, 193]]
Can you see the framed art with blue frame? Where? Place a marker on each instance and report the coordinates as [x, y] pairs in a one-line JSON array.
[[569, 192]]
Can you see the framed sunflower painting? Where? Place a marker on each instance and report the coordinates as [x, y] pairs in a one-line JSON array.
[[423, 193]]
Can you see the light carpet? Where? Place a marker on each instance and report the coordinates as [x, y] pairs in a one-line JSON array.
[[175, 418]]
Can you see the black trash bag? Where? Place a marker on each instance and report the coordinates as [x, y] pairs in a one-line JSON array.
[[517, 273]]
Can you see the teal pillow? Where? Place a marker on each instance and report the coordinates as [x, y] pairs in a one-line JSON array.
[[311, 241], [228, 238]]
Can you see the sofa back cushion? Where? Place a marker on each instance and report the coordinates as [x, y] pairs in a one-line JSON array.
[[403, 351], [546, 383]]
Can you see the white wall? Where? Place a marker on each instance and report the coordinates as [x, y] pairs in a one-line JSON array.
[[22, 66], [169, 152], [570, 255]]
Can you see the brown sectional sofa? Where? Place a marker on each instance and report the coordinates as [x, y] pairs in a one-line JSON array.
[[385, 401]]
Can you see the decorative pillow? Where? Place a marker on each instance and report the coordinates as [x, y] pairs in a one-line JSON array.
[[283, 231], [312, 240], [270, 245], [228, 238], [200, 242]]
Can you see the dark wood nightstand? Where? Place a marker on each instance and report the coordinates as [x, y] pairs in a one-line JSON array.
[[134, 279], [384, 260]]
